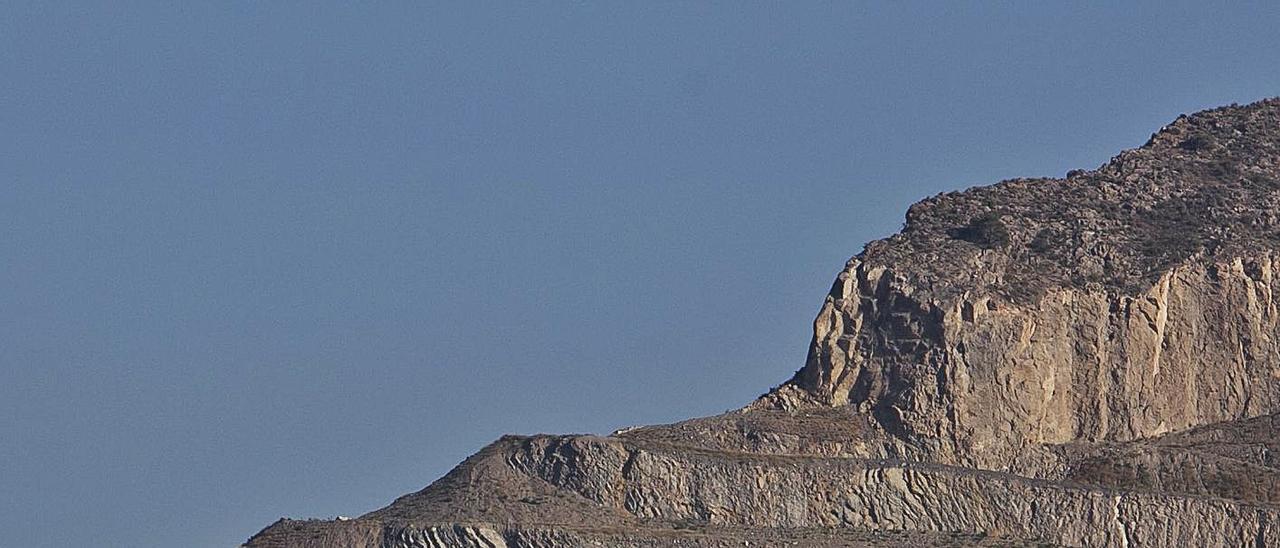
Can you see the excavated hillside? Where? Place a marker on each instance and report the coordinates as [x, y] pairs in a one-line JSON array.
[[1088, 361]]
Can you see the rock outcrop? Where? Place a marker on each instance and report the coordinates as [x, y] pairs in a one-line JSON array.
[[1087, 361]]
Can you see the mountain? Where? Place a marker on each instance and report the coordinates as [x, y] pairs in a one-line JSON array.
[[1086, 361]]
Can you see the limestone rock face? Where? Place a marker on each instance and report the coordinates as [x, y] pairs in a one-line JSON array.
[[1113, 305], [1087, 361], [977, 380]]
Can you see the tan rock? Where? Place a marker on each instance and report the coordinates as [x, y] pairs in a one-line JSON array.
[[1091, 361]]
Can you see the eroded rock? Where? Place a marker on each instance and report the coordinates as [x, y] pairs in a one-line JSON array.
[[1088, 361]]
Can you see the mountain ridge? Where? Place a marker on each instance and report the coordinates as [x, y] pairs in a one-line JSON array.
[[1085, 361]]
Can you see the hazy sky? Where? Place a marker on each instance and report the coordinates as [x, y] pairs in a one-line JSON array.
[[264, 259]]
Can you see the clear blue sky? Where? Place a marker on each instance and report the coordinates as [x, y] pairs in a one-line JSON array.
[[264, 259]]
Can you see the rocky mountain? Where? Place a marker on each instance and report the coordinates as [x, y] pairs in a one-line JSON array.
[[1087, 361]]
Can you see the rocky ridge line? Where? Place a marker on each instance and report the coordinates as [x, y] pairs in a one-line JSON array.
[[1087, 361]]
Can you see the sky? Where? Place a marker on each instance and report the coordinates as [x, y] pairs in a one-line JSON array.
[[284, 259]]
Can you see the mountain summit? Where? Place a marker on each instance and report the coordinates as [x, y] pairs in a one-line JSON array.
[[1086, 361]]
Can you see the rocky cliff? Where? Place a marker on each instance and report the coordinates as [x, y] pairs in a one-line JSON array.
[[1088, 361]]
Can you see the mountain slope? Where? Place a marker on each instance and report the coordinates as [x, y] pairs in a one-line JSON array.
[[1088, 361]]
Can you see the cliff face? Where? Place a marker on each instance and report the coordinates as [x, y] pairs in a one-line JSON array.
[[1088, 361], [975, 379], [1113, 305]]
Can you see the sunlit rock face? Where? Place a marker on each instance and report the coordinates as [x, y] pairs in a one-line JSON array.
[[977, 380], [1113, 305], [1087, 361]]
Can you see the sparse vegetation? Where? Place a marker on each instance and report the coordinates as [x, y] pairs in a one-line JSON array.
[[707, 481], [1041, 242], [986, 231], [1198, 141], [1206, 184]]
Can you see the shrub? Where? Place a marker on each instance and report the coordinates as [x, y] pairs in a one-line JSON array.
[[986, 231], [1042, 242], [1198, 141]]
